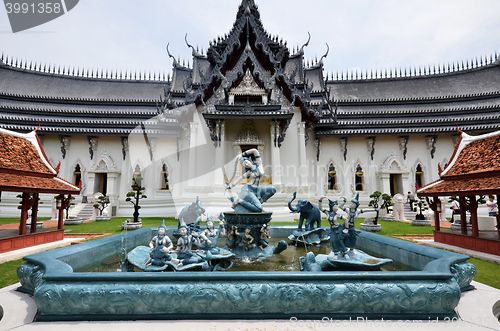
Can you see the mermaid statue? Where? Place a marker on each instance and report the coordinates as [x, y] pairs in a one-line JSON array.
[[352, 233], [338, 232], [251, 196]]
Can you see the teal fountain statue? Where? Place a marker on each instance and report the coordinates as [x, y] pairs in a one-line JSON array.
[[343, 239], [160, 256], [312, 214], [248, 224]]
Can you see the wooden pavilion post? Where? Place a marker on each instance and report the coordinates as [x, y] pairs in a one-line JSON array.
[[34, 213], [463, 214], [473, 216], [24, 214], [60, 201], [433, 205], [64, 204]]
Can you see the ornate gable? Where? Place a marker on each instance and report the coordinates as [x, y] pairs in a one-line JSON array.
[[246, 73]]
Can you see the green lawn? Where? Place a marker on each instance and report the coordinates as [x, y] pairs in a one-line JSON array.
[[113, 226], [392, 229], [15, 220], [487, 272], [8, 270]]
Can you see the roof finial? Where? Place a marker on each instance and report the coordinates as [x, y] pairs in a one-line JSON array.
[[301, 51], [320, 63], [195, 51], [176, 64]]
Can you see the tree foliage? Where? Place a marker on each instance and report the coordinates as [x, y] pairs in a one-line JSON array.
[[378, 197], [136, 195], [101, 204], [421, 206]]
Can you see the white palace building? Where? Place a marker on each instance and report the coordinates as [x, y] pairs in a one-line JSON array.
[[334, 136]]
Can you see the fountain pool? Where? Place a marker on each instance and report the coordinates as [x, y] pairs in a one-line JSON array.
[[285, 261], [432, 290]]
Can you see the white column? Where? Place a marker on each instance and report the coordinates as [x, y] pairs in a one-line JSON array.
[[112, 187], [220, 157], [89, 191], [65, 163], [303, 180], [407, 184], [386, 183], [192, 154], [275, 158]]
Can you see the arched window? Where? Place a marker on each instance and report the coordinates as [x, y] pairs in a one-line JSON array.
[[332, 178], [358, 178], [137, 177], [77, 175], [164, 177], [419, 176]]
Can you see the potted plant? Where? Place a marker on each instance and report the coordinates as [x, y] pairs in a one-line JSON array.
[[134, 197], [101, 204], [375, 203], [421, 206], [420, 218]]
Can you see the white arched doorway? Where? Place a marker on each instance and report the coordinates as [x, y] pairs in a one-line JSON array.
[[395, 176], [103, 177]]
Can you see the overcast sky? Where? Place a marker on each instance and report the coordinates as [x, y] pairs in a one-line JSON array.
[[362, 34]]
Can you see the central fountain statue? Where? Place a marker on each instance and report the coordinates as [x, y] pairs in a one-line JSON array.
[[248, 223], [252, 195]]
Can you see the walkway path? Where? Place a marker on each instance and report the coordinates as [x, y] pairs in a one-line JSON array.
[[46, 225]]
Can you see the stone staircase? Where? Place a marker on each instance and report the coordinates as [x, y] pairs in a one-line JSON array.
[[410, 214], [82, 211]]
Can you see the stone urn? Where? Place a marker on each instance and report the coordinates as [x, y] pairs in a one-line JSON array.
[[39, 225], [421, 222], [73, 221], [369, 226], [131, 225]]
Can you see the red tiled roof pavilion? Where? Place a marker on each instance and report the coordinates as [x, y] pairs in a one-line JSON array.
[[25, 168], [474, 170]]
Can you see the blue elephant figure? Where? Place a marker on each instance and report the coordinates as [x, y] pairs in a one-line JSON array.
[[190, 213], [308, 211]]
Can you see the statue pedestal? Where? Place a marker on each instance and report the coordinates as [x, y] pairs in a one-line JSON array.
[[388, 218], [244, 237], [312, 237], [370, 227], [247, 219]]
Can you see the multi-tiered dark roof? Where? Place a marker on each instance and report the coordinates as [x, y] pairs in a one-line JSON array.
[[427, 101]]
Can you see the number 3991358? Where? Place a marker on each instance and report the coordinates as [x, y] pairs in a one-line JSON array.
[[40, 8]]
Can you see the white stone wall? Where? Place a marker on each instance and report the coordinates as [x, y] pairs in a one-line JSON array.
[[198, 171]]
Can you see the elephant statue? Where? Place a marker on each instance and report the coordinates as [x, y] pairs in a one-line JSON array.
[[190, 213], [308, 211]]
